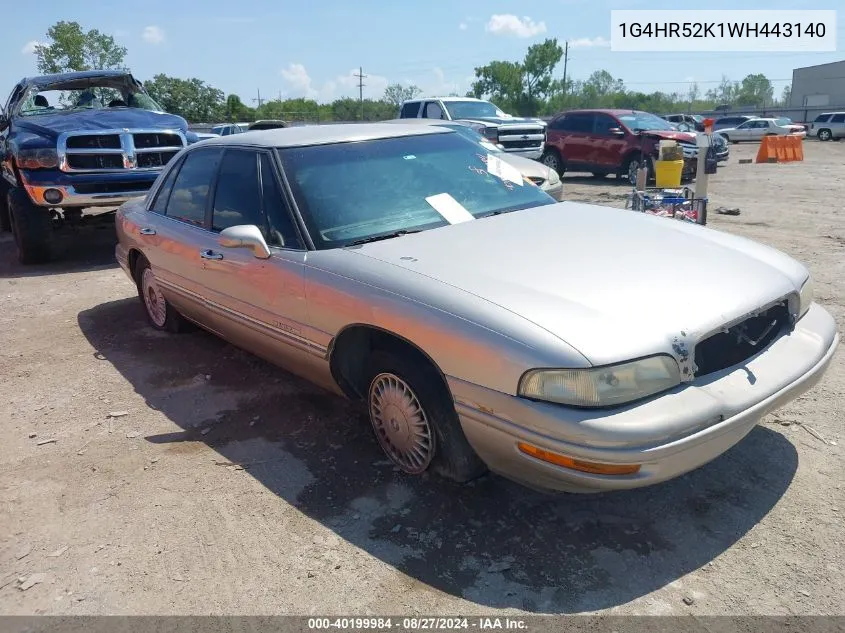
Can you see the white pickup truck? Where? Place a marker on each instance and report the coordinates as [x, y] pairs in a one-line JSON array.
[[523, 136]]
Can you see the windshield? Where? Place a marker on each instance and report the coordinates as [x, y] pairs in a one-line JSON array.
[[784, 121], [347, 192], [640, 121], [698, 118], [92, 97], [472, 109]]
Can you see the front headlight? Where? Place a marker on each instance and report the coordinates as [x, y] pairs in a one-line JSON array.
[[553, 177], [602, 386], [44, 158], [805, 297]]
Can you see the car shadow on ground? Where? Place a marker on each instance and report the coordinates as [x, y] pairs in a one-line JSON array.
[[76, 249], [492, 541]]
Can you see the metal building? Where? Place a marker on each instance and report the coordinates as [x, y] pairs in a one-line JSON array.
[[819, 87]]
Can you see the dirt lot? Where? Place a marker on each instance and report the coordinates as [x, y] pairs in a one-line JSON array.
[[231, 487]]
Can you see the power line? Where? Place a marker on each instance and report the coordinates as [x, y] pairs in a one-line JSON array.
[[361, 76]]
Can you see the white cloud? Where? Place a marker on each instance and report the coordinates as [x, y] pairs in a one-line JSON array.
[[300, 84], [462, 26], [298, 79], [507, 24], [153, 34], [589, 42], [29, 47]]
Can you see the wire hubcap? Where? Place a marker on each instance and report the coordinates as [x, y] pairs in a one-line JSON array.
[[153, 299], [401, 424]]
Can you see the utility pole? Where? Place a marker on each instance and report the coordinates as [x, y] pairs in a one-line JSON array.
[[259, 100], [361, 76], [565, 60]]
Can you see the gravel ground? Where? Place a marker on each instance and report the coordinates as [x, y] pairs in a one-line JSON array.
[[231, 487]]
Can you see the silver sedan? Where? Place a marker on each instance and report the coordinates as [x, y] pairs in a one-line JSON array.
[[481, 323]]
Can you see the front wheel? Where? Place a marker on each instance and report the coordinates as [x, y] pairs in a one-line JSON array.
[[824, 135], [32, 227], [414, 419], [551, 158]]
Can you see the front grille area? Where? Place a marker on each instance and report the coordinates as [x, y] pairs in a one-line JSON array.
[[741, 341], [118, 150], [95, 161], [519, 131], [154, 159], [521, 144], [94, 141], [147, 140]]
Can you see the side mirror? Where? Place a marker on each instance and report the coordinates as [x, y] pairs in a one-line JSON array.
[[245, 236], [616, 131]]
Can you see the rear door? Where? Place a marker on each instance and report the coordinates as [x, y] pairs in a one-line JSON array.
[[837, 125], [181, 233], [575, 136]]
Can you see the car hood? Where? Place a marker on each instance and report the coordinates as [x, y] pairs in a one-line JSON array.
[[671, 135], [527, 167], [52, 124], [612, 283]]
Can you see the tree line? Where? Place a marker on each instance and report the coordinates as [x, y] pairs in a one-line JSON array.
[[530, 87]]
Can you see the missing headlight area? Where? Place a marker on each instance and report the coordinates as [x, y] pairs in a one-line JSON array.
[[741, 341]]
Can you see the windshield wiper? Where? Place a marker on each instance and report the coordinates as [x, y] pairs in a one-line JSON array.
[[383, 236]]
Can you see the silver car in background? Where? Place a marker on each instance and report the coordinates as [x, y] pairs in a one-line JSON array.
[[544, 177], [481, 323]]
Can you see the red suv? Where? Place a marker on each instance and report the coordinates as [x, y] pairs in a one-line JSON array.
[[612, 142]]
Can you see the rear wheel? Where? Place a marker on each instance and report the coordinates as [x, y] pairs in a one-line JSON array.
[[414, 420], [160, 314], [551, 158], [31, 227], [825, 135]]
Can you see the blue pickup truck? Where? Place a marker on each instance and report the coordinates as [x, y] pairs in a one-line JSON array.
[[77, 140]]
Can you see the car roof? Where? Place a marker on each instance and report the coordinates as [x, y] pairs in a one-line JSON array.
[[46, 80], [445, 99], [441, 122], [324, 134], [614, 111]]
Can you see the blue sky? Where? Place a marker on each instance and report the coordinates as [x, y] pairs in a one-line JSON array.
[[311, 49]]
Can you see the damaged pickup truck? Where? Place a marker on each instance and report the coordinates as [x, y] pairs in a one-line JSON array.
[[76, 140]]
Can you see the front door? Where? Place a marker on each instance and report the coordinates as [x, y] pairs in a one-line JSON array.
[[260, 303], [607, 148]]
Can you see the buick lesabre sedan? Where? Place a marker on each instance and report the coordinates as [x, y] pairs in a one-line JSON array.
[[483, 324]]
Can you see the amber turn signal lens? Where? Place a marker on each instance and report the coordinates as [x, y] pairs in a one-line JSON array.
[[578, 464]]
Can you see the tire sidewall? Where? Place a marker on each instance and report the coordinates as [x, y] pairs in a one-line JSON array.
[[453, 458], [556, 158], [173, 321]]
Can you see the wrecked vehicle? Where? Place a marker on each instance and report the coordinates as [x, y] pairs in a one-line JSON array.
[[481, 323], [75, 140]]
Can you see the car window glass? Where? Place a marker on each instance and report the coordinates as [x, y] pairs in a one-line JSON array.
[[604, 123], [579, 123], [838, 118], [159, 205], [558, 123], [191, 188], [822, 118], [237, 199], [410, 110], [433, 111], [281, 228]]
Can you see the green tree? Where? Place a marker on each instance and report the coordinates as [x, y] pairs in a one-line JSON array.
[[395, 94], [521, 86], [72, 49], [192, 98], [235, 110], [755, 90], [786, 95]]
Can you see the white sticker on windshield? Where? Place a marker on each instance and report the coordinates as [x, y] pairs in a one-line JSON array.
[[451, 210], [499, 168]]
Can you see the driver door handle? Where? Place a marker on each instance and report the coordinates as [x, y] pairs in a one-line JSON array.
[[146, 231], [210, 254]]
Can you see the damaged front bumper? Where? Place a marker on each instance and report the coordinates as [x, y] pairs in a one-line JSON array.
[[665, 436], [54, 188]]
